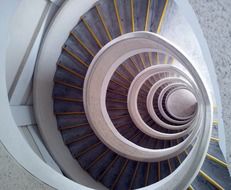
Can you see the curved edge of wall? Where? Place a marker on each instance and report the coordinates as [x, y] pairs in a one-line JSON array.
[[56, 35], [189, 14], [10, 135]]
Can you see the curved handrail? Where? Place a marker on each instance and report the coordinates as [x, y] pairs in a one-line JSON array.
[[170, 87], [97, 80]]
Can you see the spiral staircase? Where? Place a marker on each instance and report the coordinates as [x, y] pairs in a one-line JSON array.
[[130, 107], [148, 101]]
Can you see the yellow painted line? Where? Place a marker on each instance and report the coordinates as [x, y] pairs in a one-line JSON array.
[[108, 34], [210, 180], [147, 174], [132, 15], [119, 175], [134, 175], [103, 22], [157, 58], [69, 113], [214, 107], [68, 85], [135, 64], [217, 160], [127, 69], [137, 68], [119, 84], [79, 139], [190, 187], [215, 122], [83, 45], [108, 168], [179, 159], [68, 99], [142, 61], [150, 58], [122, 126], [116, 92], [70, 71], [162, 17], [122, 76], [118, 17], [171, 61], [158, 171], [214, 139], [169, 165], [166, 59], [87, 149], [97, 159], [113, 109], [75, 57], [92, 33], [147, 15], [73, 126]]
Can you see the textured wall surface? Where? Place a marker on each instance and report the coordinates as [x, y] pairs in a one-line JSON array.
[[214, 18], [13, 176]]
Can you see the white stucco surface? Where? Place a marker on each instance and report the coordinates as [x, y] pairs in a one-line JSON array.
[[214, 18], [22, 28], [13, 176]]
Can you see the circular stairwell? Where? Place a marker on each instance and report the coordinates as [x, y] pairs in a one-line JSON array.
[[116, 98]]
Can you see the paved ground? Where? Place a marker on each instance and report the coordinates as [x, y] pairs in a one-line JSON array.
[[13, 176], [214, 17]]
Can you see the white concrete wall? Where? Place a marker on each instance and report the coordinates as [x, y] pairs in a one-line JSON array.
[[214, 17], [23, 29], [12, 175]]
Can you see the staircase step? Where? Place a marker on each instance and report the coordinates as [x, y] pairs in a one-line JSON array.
[[201, 184], [218, 173], [105, 21], [215, 151]]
